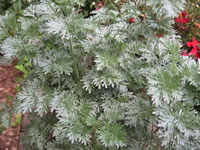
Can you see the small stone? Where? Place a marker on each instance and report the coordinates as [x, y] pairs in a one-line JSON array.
[[4, 133], [17, 137], [14, 148], [7, 143], [11, 133]]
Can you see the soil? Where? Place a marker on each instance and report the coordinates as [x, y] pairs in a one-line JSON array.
[[9, 138]]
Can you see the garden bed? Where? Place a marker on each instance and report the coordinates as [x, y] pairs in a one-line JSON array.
[[9, 138], [119, 77]]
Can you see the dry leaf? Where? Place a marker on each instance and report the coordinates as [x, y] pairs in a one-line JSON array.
[[197, 25]]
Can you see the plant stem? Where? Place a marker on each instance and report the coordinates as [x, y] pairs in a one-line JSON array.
[[74, 63]]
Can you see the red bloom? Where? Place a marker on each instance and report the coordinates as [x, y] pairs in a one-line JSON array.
[[182, 21], [159, 35], [184, 14], [131, 20], [194, 43], [100, 5], [184, 53], [182, 18], [195, 53], [195, 49]]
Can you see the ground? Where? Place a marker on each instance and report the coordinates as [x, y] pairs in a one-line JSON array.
[[9, 138]]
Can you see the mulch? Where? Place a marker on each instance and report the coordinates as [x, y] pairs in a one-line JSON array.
[[9, 138]]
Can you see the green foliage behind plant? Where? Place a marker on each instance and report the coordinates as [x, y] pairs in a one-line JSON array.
[[4, 5], [191, 29], [24, 66]]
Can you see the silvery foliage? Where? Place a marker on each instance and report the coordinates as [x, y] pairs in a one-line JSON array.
[[105, 83]]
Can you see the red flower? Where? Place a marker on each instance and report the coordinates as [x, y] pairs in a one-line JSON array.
[[184, 53], [131, 20], [159, 35], [182, 21], [195, 53], [100, 5], [182, 18], [184, 14], [195, 49], [194, 43]]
